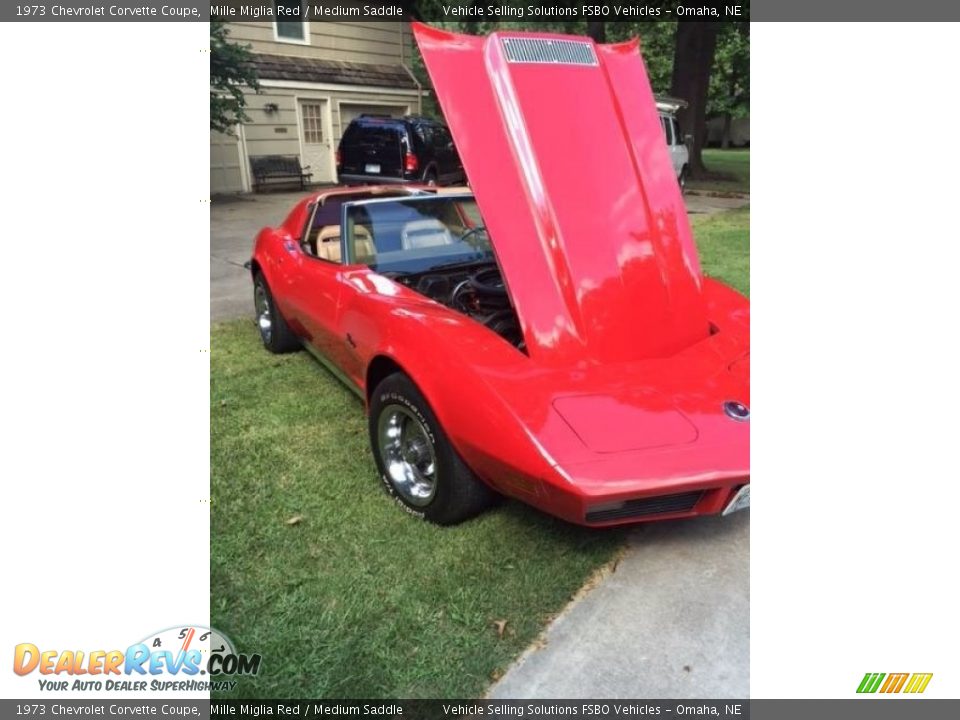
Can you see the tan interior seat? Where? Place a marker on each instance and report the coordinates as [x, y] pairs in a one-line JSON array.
[[328, 244], [363, 246], [425, 233]]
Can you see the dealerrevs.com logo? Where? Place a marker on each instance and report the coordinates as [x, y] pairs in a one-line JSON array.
[[910, 683], [183, 659]]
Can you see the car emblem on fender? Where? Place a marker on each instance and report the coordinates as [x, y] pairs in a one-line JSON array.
[[736, 411]]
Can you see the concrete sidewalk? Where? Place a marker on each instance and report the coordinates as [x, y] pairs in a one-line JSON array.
[[672, 621]]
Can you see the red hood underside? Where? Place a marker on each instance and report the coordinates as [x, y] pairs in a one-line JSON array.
[[564, 150]]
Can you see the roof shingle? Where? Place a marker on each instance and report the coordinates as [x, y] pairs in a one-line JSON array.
[[283, 67]]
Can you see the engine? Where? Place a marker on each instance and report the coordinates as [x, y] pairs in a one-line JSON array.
[[479, 294]]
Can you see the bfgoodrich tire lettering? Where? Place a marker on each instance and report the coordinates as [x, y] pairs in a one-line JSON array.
[[418, 466]]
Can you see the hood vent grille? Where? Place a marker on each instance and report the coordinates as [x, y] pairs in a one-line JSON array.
[[554, 52]]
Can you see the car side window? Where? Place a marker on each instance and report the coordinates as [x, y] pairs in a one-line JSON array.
[[675, 126], [425, 133], [322, 238], [441, 137], [305, 233], [666, 129]]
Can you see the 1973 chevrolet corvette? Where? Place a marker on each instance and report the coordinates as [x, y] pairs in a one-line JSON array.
[[548, 336]]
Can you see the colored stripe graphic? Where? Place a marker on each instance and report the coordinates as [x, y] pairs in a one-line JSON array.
[[918, 682], [870, 682], [894, 682]]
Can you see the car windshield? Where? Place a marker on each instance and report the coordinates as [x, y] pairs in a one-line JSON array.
[[417, 234]]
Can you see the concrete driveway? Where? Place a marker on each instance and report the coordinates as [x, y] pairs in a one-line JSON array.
[[234, 223], [672, 621]]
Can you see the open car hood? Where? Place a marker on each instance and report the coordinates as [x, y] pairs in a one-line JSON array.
[[564, 151]]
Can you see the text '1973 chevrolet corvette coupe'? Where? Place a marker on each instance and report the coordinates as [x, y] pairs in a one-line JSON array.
[[547, 335]]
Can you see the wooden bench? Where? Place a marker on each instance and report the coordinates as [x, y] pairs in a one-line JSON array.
[[278, 168]]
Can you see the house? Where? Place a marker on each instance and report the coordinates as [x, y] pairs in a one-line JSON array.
[[314, 77], [739, 131]]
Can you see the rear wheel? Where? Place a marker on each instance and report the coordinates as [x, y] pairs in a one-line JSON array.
[[684, 173], [430, 178], [418, 466], [276, 335]]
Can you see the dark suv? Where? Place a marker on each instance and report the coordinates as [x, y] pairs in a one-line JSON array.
[[383, 149]]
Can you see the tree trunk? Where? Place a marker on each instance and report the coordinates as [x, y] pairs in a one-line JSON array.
[[598, 31], [725, 138], [692, 63]]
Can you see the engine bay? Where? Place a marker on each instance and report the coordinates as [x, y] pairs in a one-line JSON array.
[[478, 292]]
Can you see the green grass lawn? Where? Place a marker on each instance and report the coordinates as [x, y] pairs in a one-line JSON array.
[[724, 243], [733, 166], [357, 599]]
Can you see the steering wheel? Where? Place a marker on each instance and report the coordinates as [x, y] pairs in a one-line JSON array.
[[471, 231]]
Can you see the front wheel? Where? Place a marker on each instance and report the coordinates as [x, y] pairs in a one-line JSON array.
[[418, 466], [276, 335], [682, 179]]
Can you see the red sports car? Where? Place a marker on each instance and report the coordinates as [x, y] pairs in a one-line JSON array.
[[548, 335]]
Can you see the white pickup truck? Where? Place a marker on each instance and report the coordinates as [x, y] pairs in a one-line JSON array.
[[679, 154]]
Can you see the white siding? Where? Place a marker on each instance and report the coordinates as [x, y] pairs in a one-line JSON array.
[[226, 175]]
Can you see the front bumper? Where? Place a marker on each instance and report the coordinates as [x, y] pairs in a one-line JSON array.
[[654, 501], [693, 503]]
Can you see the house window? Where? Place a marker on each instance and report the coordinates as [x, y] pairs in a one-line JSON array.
[[312, 122], [289, 25]]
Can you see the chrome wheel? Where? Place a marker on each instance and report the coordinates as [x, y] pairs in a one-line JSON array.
[[264, 317], [408, 454]]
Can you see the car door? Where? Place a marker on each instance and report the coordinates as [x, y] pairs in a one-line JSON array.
[[679, 150], [315, 290], [670, 138]]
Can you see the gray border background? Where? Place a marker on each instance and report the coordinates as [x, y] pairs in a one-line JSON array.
[[890, 708], [757, 10]]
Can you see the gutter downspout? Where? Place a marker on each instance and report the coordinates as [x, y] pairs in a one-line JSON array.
[[410, 73]]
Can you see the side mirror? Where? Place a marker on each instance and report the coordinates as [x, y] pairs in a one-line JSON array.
[[688, 139]]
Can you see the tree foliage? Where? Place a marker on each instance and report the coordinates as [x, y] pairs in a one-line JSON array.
[[231, 70], [730, 79]]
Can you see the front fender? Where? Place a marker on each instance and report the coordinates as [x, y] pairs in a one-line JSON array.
[[450, 359]]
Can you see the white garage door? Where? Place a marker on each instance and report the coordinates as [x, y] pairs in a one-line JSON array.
[[226, 170], [349, 111]]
